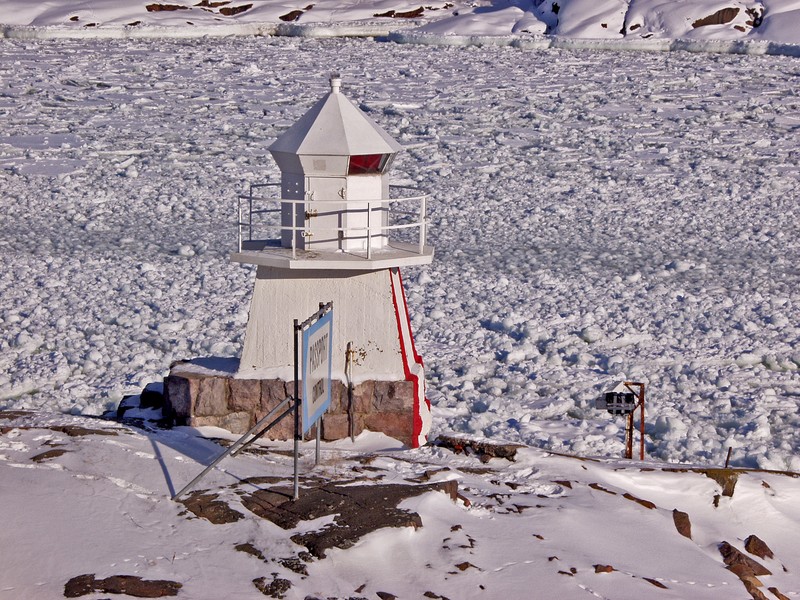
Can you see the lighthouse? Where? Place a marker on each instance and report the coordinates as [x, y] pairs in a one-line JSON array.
[[335, 229]]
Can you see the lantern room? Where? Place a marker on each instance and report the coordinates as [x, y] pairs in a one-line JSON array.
[[335, 198], [336, 158]]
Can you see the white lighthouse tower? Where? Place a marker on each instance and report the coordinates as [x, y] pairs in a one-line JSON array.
[[339, 232]]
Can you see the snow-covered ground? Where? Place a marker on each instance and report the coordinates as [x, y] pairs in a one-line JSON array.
[[596, 217], [82, 497]]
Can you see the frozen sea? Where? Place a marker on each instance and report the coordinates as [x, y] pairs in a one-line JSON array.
[[597, 216]]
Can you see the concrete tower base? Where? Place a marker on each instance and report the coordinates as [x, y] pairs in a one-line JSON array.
[[380, 387]]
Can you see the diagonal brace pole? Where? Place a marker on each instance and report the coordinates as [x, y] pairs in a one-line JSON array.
[[263, 431], [240, 442]]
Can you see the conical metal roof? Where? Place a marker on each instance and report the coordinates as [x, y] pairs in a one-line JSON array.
[[334, 126]]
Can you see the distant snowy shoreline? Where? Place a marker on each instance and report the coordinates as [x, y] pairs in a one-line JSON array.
[[403, 36], [766, 27]]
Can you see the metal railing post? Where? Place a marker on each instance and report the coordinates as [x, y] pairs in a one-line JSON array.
[[250, 220], [297, 401], [239, 222], [294, 230], [369, 230], [422, 225]]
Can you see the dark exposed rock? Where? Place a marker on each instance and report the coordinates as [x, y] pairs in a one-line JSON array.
[[248, 548], [645, 503], [230, 11], [754, 545], [752, 585], [777, 593], [721, 17], [655, 582], [386, 596], [295, 565], [121, 584], [409, 14], [756, 17], [79, 586], [165, 7], [727, 478], [604, 569], [47, 455], [208, 507], [152, 396], [138, 587], [682, 523], [276, 588], [127, 403], [600, 488], [359, 510], [76, 431], [741, 564], [292, 15], [484, 449]]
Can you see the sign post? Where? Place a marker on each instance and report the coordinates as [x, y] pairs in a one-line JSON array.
[[317, 334], [314, 337], [624, 400]]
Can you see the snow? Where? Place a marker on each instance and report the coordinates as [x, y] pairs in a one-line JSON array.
[[597, 216], [564, 515], [740, 26]]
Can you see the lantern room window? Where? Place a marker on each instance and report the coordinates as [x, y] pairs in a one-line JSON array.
[[366, 164]]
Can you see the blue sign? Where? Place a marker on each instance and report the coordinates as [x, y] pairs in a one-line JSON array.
[[317, 352]]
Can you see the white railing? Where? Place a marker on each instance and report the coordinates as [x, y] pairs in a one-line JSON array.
[[256, 206]]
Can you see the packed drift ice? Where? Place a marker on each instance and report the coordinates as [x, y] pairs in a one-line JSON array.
[[596, 218]]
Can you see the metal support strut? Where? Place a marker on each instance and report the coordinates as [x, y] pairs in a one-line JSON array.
[[240, 444], [629, 421]]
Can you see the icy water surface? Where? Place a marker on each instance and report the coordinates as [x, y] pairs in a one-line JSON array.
[[596, 217]]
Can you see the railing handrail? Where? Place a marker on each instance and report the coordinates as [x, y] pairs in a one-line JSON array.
[[337, 201], [363, 205], [338, 229]]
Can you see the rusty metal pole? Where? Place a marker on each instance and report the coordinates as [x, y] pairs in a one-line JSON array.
[[641, 423], [640, 396], [629, 436], [297, 402]]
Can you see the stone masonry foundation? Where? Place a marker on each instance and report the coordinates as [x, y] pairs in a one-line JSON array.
[[222, 400]]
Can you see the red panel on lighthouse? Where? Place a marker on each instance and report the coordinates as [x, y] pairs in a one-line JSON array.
[[365, 164]]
